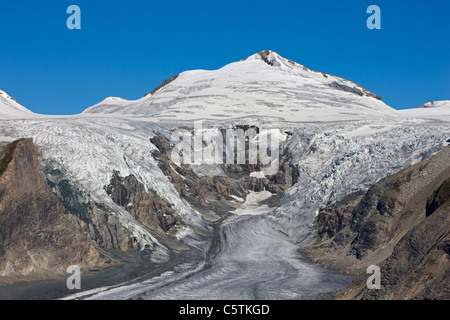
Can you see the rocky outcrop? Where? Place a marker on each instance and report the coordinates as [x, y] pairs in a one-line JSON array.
[[337, 216], [201, 192], [419, 267], [94, 218], [163, 84], [214, 193], [439, 197], [353, 89], [38, 236], [146, 206], [265, 55], [400, 224]]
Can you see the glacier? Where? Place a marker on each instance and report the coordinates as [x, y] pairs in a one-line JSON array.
[[343, 138]]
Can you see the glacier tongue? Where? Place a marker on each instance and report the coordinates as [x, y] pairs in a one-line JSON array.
[[258, 259]]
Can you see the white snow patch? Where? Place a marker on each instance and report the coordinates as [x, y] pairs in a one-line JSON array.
[[252, 205], [257, 174], [237, 198]]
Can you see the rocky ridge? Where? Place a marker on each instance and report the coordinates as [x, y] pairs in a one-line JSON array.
[[38, 235], [401, 225]]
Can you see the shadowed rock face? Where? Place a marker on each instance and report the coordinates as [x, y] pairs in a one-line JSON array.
[[37, 235], [94, 218], [400, 224], [147, 207], [439, 198]]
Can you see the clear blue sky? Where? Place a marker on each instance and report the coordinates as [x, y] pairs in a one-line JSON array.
[[126, 48]]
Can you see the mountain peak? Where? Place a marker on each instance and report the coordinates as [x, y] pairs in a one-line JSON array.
[[263, 85], [268, 56], [273, 59], [435, 104], [113, 99]]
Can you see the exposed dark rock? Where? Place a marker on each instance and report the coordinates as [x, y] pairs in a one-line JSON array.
[[335, 217], [439, 197], [265, 56], [163, 84], [353, 89], [70, 196], [205, 192], [429, 104], [200, 192], [400, 224], [6, 155], [419, 267], [368, 217], [147, 207], [95, 218], [37, 235]]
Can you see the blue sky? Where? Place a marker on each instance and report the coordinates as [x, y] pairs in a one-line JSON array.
[[126, 48]]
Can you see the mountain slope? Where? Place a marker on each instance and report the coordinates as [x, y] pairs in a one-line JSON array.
[[263, 85], [37, 235], [400, 224], [11, 109]]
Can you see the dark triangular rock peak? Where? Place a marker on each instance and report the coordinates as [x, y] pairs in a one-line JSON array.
[[163, 84]]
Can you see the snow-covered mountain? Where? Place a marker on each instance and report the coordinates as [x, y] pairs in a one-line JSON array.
[[436, 104], [11, 109], [263, 85], [336, 136], [439, 110]]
